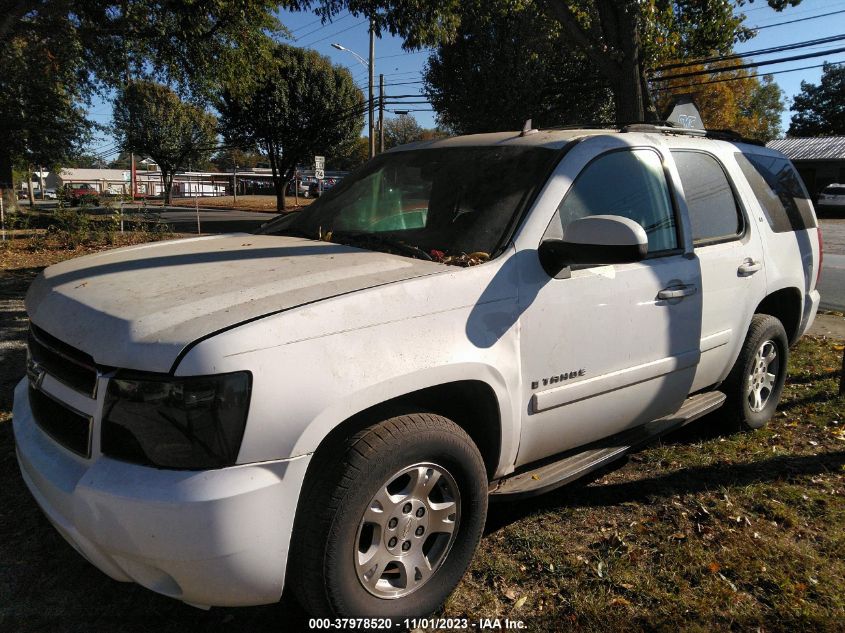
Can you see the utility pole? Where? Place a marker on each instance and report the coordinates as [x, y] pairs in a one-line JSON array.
[[41, 181], [235, 186], [372, 66], [381, 113]]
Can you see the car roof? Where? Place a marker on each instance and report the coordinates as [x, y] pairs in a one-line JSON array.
[[560, 137]]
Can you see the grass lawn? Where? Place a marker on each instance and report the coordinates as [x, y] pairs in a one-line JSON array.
[[703, 531]]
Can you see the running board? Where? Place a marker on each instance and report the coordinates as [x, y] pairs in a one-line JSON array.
[[575, 464]]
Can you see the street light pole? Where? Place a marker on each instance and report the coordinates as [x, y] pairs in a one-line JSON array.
[[371, 65]]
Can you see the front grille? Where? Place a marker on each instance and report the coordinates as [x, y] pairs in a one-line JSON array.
[[69, 428], [67, 364]]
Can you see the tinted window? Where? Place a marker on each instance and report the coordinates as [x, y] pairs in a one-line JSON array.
[[630, 184], [454, 201], [779, 191], [834, 191], [712, 207]]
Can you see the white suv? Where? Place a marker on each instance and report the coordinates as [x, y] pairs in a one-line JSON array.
[[329, 404], [832, 197]]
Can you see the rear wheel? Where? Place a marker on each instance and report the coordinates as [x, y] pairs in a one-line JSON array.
[[755, 384], [389, 520]]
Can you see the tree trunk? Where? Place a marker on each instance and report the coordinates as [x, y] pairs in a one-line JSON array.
[[7, 183], [614, 48], [278, 185], [628, 96], [29, 190], [167, 177]]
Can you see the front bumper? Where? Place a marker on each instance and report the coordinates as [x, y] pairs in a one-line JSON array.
[[208, 538]]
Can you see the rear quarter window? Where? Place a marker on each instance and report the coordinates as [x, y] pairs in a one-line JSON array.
[[713, 211], [779, 190]]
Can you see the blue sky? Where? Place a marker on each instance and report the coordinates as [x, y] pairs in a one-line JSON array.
[[402, 68]]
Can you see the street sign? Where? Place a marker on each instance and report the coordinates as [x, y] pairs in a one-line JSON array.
[[319, 174], [319, 163]]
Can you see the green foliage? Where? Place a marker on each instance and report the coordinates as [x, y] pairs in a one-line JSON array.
[[820, 109], [507, 65], [400, 130], [303, 106], [351, 155], [42, 120], [56, 54], [151, 119], [620, 39], [229, 158], [71, 226]]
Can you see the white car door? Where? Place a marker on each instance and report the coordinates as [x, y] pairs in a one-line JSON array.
[[610, 347], [730, 253]]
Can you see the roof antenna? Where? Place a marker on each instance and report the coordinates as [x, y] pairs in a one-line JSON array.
[[527, 129]]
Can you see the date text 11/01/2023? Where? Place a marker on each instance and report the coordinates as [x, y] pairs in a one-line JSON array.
[[454, 624]]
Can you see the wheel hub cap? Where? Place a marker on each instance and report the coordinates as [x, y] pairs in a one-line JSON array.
[[763, 376], [407, 530]]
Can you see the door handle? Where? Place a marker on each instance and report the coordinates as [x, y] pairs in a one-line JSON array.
[[677, 292], [748, 267]]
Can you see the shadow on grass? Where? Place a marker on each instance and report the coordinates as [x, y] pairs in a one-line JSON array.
[[679, 482]]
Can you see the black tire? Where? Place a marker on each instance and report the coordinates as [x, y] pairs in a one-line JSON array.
[[342, 484], [742, 411]]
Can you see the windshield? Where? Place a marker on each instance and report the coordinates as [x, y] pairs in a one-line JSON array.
[[451, 205]]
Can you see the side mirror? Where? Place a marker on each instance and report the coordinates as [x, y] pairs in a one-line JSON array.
[[596, 239]]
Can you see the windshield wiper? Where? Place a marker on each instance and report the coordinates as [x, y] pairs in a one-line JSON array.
[[383, 240]]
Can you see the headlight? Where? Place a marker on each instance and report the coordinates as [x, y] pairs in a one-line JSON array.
[[191, 423]]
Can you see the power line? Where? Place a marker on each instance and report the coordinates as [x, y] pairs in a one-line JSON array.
[[812, 17], [727, 69], [324, 26], [718, 81], [762, 51], [425, 50], [317, 21], [328, 37]]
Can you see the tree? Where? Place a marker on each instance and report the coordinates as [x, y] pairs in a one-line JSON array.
[[150, 118], [820, 109], [351, 155], [41, 120], [736, 100], [229, 158], [56, 54], [400, 130], [303, 106], [619, 37], [506, 65]]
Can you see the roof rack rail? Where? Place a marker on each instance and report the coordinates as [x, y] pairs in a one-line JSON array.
[[667, 127], [661, 127]]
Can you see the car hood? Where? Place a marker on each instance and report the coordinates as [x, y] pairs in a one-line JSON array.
[[138, 307]]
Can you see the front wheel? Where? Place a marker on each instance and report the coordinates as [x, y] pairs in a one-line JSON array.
[[389, 521], [756, 381]]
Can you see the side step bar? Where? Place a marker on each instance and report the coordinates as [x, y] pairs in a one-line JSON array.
[[575, 464]]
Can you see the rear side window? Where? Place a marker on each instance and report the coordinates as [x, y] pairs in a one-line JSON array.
[[714, 214], [779, 191], [629, 183], [834, 191]]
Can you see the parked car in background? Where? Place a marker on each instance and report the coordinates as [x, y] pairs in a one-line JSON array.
[[303, 185], [83, 194], [832, 197], [50, 194]]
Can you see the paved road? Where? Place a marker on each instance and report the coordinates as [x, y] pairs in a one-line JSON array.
[[832, 285], [184, 219]]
